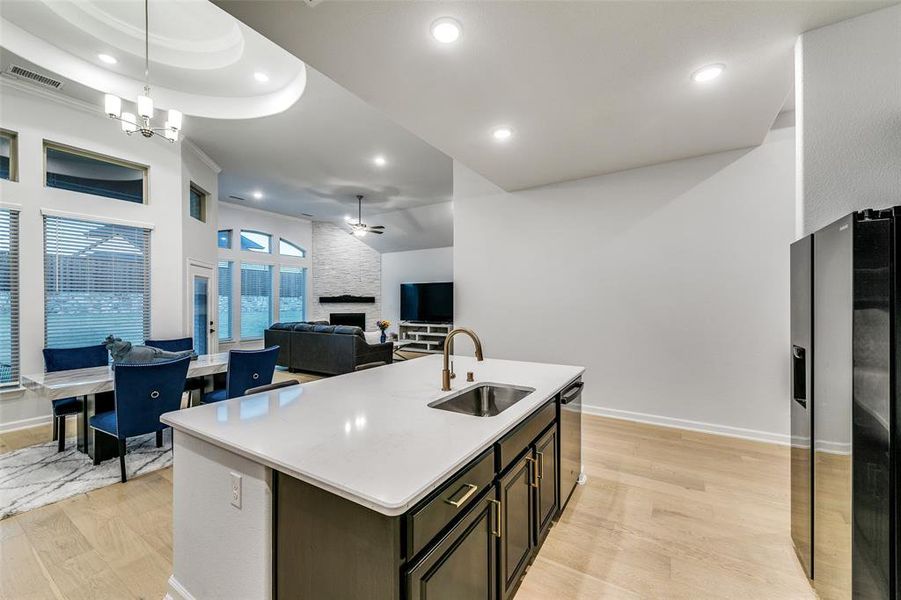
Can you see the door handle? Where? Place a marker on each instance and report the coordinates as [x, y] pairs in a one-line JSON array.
[[496, 512], [533, 472], [540, 465], [799, 375], [572, 392], [458, 503]]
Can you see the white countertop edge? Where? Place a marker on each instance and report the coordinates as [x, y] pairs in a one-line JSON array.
[[391, 510]]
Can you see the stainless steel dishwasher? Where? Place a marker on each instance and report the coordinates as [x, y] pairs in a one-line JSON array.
[[570, 440]]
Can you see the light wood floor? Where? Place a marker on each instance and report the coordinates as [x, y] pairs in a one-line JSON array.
[[665, 514]]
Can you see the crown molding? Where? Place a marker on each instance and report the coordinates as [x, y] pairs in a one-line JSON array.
[[9, 80], [203, 156]]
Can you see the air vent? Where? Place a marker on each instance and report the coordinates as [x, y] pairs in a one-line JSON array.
[[36, 78], [237, 198], [306, 214]]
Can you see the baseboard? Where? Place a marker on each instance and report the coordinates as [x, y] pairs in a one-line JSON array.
[[724, 430], [177, 591], [24, 423]]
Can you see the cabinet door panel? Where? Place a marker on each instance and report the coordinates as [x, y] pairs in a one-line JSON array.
[[548, 493], [462, 564], [517, 510]]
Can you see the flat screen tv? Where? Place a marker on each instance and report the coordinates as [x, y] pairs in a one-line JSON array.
[[427, 302]]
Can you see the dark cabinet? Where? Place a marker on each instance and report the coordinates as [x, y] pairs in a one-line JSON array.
[[548, 492], [463, 563], [517, 507]]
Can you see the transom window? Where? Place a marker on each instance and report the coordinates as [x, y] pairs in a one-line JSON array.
[[90, 173], [225, 238], [286, 248], [256, 241], [96, 282], [9, 155], [197, 203]]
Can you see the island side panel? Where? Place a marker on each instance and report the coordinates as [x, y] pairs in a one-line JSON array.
[[219, 550], [328, 547]]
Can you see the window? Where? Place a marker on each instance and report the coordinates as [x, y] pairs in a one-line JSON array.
[[9, 297], [82, 171], [256, 300], [286, 248], [225, 300], [96, 282], [9, 155], [292, 285], [225, 238], [197, 203], [256, 241]]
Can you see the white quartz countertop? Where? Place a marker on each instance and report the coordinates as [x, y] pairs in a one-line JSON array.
[[370, 436]]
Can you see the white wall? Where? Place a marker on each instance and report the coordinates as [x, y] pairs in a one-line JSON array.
[[413, 266], [39, 116], [848, 82], [670, 283], [295, 230]]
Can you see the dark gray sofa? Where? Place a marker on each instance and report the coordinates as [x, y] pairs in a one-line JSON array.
[[322, 348]]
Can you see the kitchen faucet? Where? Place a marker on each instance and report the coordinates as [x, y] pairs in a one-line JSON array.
[[447, 373]]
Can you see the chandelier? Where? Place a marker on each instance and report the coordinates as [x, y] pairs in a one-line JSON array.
[[141, 123]]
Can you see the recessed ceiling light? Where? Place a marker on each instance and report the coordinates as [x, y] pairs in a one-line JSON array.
[[380, 161], [708, 73], [502, 134], [261, 77], [110, 60], [257, 194], [446, 30]]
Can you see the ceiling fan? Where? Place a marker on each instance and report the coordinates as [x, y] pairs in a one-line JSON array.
[[360, 228]]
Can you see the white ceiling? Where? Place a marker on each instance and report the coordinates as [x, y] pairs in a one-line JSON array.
[[317, 155], [202, 60], [308, 159], [588, 87]]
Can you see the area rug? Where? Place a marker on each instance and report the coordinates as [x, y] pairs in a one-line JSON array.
[[37, 475]]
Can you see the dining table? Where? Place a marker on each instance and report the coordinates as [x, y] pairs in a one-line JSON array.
[[93, 387]]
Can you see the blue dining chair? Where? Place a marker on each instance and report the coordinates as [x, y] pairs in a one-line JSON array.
[[173, 345], [246, 369], [142, 393], [65, 359]]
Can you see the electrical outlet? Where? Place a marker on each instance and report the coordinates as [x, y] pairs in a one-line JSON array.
[[236, 490]]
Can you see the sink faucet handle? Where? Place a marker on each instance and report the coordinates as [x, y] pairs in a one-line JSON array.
[[452, 374], [470, 376]]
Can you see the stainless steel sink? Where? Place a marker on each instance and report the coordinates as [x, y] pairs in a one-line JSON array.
[[485, 400]]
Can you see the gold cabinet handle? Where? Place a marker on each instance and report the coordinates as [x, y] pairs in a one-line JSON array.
[[458, 503], [533, 478], [540, 465], [497, 516]]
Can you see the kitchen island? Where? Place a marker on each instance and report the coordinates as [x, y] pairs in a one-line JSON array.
[[355, 487]]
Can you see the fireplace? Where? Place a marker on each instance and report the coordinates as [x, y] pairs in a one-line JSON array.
[[353, 319]]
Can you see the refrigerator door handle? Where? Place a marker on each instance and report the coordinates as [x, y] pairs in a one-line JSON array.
[[799, 375]]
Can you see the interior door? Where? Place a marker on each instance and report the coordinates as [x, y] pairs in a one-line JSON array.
[[547, 497], [200, 308], [463, 564], [802, 401], [517, 510]]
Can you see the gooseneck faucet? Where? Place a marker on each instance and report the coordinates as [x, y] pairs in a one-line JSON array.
[[446, 372]]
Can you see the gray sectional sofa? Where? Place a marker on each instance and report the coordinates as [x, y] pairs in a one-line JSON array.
[[318, 347]]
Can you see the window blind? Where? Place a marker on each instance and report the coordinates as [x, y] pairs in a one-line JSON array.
[[225, 300], [291, 288], [9, 297], [96, 282], [256, 300]]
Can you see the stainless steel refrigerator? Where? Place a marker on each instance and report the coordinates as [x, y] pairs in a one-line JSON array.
[[845, 332]]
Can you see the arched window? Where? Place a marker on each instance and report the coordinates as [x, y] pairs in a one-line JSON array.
[[286, 248], [256, 241]]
